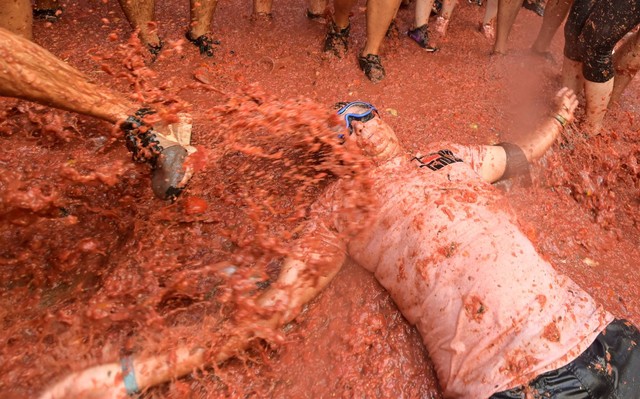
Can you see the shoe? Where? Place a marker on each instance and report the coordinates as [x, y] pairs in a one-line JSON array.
[[436, 7], [421, 36], [535, 5], [47, 14], [166, 153], [320, 18], [337, 39], [204, 43], [170, 173], [155, 49], [372, 67]]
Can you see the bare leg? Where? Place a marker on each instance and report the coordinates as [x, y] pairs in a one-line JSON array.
[[262, 7], [555, 13], [32, 73], [489, 21], [423, 11], [201, 17], [572, 75], [342, 9], [627, 63], [17, 17], [507, 12], [597, 100], [140, 14], [442, 23], [317, 7], [379, 16]]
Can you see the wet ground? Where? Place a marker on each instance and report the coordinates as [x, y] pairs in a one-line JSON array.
[[93, 266]]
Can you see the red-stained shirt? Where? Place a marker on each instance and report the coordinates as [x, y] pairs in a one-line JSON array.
[[492, 312]]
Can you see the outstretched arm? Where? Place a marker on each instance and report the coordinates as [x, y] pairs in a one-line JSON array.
[[32, 73], [495, 162], [318, 258]]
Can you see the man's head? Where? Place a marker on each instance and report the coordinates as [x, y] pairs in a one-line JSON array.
[[369, 132]]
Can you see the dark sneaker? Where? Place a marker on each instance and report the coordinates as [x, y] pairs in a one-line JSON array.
[[372, 67], [336, 40], [535, 5], [421, 36], [170, 174], [47, 14], [204, 43], [165, 153]]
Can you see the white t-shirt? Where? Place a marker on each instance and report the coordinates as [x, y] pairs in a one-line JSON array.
[[492, 312]]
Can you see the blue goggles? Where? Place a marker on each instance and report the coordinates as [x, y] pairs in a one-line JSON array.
[[361, 116]]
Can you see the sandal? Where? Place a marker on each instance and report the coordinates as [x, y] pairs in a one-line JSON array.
[[372, 67], [420, 35], [204, 43], [315, 17], [337, 40]]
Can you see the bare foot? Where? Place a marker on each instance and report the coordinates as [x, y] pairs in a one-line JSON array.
[[441, 26]]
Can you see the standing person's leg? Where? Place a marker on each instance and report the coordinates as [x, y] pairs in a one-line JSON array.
[[507, 12], [554, 13], [337, 39], [420, 34], [489, 21], [17, 16], [200, 30], [379, 16], [574, 48], [32, 73], [262, 7], [604, 28], [140, 14], [442, 22], [316, 9], [627, 62]]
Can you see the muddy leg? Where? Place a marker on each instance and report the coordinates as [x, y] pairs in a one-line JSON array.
[[316, 8], [572, 75], [627, 63], [201, 17], [507, 12], [379, 16], [34, 74], [140, 14], [555, 13], [17, 17], [262, 7]]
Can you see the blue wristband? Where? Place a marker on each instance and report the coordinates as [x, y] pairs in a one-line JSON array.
[[129, 376]]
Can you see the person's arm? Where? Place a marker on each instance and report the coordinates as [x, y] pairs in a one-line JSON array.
[[32, 73], [319, 256], [510, 159]]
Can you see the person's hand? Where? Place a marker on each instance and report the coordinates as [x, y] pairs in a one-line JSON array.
[[566, 103]]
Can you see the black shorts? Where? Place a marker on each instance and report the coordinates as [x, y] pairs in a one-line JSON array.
[[592, 30], [608, 369]]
